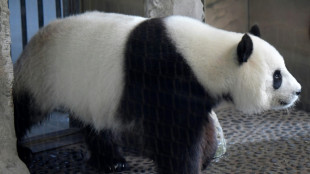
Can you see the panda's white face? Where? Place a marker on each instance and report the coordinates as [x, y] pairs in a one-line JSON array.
[[263, 81], [284, 89]]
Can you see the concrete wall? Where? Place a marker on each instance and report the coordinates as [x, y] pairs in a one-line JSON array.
[[148, 8], [283, 23], [227, 14], [134, 7], [9, 161]]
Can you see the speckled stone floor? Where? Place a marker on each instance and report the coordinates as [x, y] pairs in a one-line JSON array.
[[272, 142]]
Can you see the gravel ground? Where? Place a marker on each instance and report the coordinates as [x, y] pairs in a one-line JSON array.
[[272, 142]]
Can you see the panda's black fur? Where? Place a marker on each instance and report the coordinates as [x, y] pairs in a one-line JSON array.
[[161, 89]]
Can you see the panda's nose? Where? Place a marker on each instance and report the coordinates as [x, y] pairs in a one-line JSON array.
[[298, 92]]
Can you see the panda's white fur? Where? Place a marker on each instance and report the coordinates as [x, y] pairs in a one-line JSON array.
[[88, 78]]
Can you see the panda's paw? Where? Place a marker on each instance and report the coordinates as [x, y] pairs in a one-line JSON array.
[[24, 153], [108, 165], [120, 165]]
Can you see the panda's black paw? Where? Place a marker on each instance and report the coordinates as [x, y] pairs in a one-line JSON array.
[[117, 166], [24, 153], [108, 165]]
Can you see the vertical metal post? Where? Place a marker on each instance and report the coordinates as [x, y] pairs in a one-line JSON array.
[[23, 22], [58, 8], [40, 13]]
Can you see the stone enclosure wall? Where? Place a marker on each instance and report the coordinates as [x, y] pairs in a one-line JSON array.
[[9, 161]]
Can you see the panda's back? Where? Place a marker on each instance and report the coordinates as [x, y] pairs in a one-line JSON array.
[[77, 63]]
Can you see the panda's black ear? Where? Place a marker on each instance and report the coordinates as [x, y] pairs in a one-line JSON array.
[[244, 49], [255, 30]]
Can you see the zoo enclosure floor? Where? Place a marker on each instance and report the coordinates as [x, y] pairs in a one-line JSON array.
[[272, 142]]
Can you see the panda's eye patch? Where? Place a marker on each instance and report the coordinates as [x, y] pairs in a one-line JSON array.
[[277, 79]]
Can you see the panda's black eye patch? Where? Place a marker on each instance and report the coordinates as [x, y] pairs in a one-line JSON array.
[[277, 79]]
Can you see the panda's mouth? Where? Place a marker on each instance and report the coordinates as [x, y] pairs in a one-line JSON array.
[[283, 103], [286, 104]]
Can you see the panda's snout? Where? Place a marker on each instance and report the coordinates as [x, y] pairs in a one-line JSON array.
[[298, 92]]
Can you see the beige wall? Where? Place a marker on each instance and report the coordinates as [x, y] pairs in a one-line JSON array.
[[227, 14], [135, 7], [283, 23], [147, 8]]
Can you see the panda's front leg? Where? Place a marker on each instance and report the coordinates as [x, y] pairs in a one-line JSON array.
[[178, 149], [104, 152]]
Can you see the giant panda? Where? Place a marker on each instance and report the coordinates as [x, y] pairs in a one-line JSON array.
[[159, 77]]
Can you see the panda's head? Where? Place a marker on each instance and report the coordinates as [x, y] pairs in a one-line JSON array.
[[262, 81]]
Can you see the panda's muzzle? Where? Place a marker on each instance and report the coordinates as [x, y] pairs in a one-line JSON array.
[[289, 103]]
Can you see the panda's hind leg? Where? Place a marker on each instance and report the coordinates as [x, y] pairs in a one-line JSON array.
[[26, 114], [105, 153]]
